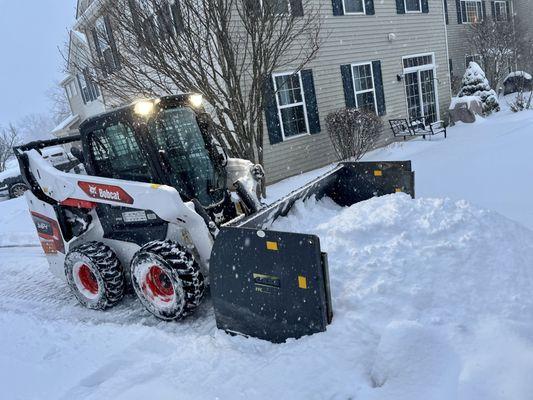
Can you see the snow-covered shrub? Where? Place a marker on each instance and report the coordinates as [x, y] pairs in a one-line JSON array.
[[475, 83], [522, 102], [353, 131]]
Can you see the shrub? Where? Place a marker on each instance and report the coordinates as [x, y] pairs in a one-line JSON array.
[[353, 131], [475, 83]]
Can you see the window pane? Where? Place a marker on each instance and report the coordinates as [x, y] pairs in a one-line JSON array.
[[363, 77], [366, 101], [276, 7], [412, 5], [413, 95], [289, 91], [353, 6], [293, 121], [473, 11]]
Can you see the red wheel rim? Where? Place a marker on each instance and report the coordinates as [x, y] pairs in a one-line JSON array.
[[158, 284], [87, 279]]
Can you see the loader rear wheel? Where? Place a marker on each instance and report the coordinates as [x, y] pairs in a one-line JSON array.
[[95, 275], [167, 280]]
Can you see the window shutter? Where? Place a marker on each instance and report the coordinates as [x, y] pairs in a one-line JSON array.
[[484, 6], [177, 16], [313, 117], [459, 13], [493, 9], [378, 83], [508, 7], [451, 66], [338, 8], [425, 6], [369, 7], [446, 11], [112, 42], [99, 54], [271, 112], [400, 7], [297, 8], [347, 83]]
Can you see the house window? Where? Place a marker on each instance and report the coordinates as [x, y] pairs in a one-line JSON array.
[[89, 90], [475, 58], [275, 7], [500, 11], [73, 88], [471, 11], [69, 93], [353, 6], [104, 44], [290, 100], [420, 89], [413, 5], [364, 88]]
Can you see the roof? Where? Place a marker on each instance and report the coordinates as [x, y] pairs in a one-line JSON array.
[[72, 119]]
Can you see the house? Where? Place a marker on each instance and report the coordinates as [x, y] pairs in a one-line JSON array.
[[460, 15], [388, 56], [84, 97]]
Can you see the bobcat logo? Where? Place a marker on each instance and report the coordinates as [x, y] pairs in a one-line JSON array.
[[219, 217], [93, 191]]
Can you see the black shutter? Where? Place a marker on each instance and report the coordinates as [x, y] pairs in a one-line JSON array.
[[136, 21], [459, 13], [347, 83], [400, 7], [313, 117], [177, 16], [378, 85], [451, 66], [98, 49], [508, 8], [338, 8], [493, 9], [297, 8], [112, 42], [446, 11], [271, 112], [369, 7], [484, 6], [425, 6]]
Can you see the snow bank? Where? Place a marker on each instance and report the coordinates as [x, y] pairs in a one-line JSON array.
[[521, 74], [16, 225]]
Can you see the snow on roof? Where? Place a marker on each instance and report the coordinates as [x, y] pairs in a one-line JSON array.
[[523, 74], [66, 123]]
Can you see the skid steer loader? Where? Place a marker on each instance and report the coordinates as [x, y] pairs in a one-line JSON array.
[[162, 209]]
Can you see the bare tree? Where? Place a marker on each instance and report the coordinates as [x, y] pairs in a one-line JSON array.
[[353, 131], [35, 127], [500, 45], [9, 137], [226, 50], [60, 109]]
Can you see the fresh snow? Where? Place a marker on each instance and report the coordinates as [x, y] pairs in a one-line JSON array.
[[522, 74], [431, 298]]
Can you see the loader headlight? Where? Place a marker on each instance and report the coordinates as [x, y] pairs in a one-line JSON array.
[[144, 108], [196, 100]]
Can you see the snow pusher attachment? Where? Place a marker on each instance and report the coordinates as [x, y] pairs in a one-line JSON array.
[[275, 285]]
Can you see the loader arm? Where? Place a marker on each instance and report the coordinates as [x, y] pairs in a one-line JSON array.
[[84, 191]]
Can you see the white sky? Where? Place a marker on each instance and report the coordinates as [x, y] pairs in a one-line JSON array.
[[31, 31]]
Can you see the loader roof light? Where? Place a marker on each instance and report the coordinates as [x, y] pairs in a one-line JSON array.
[[144, 108], [196, 100]]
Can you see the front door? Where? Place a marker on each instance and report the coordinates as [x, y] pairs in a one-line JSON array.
[[419, 77]]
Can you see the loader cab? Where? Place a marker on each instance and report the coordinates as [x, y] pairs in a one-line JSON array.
[[164, 141]]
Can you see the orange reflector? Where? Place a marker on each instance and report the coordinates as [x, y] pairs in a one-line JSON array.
[[302, 282], [272, 246], [378, 173]]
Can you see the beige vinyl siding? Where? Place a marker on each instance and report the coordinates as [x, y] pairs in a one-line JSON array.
[[356, 39]]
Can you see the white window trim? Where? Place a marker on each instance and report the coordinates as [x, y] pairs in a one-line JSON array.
[[425, 67], [500, 2], [464, 16], [413, 12], [280, 107], [366, 90], [351, 12]]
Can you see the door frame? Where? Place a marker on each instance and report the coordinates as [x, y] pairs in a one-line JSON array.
[[418, 69]]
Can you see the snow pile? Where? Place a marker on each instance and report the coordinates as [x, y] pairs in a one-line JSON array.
[[475, 83], [16, 225], [469, 100], [521, 74]]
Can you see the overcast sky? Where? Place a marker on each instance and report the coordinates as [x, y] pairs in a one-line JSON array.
[[30, 33]]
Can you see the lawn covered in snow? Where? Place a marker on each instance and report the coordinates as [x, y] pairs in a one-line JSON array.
[[432, 298]]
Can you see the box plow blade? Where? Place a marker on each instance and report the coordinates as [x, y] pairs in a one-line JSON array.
[[275, 285]]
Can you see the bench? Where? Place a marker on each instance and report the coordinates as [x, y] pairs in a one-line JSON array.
[[401, 127]]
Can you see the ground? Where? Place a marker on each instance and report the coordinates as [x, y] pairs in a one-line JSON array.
[[432, 298]]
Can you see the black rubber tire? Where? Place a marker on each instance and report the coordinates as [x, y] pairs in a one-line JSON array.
[[180, 270], [17, 190], [105, 268]]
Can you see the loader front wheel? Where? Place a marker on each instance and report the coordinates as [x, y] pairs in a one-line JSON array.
[[167, 280], [95, 275]]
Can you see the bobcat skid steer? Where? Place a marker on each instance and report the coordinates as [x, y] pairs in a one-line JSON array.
[[162, 209]]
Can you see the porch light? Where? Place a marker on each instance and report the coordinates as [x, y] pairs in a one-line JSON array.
[[144, 108]]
